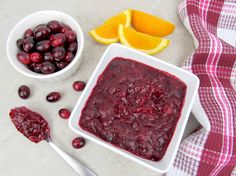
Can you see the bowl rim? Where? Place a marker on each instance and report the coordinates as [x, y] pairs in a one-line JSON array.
[[80, 45], [73, 120]]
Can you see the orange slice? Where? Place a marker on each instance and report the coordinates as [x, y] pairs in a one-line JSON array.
[[140, 41], [150, 24], [108, 32]]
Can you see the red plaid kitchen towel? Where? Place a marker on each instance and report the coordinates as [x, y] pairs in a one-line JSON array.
[[212, 149]]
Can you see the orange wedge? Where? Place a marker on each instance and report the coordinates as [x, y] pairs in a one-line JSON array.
[[108, 32], [140, 41], [150, 24]]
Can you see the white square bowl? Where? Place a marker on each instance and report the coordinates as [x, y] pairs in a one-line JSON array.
[[192, 82]]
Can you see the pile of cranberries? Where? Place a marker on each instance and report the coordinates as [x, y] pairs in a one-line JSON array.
[[47, 48]]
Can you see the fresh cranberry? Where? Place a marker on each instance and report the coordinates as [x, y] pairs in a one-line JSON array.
[[64, 113], [23, 57], [24, 92], [58, 53], [78, 142], [28, 44], [36, 57], [48, 57], [72, 47], [65, 28], [69, 57], [31, 124], [70, 36], [47, 68], [79, 85], [58, 40], [53, 96], [51, 37], [43, 46], [19, 43], [37, 67], [42, 32], [28, 33], [54, 26], [61, 65]]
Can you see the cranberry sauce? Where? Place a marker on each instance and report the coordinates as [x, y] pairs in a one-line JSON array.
[[31, 124], [135, 107]]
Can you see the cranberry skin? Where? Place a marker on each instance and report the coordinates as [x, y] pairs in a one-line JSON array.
[[28, 44], [48, 67], [58, 40], [54, 26], [69, 57], [58, 53], [23, 57], [51, 37], [61, 65], [53, 97], [70, 36], [37, 67], [19, 43], [79, 85], [36, 57], [24, 92], [28, 33], [64, 113], [78, 142], [48, 57], [43, 46], [72, 47], [42, 32], [65, 28]]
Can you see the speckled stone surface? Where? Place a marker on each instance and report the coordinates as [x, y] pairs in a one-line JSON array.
[[20, 157]]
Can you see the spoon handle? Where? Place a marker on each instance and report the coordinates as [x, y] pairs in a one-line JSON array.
[[79, 167]]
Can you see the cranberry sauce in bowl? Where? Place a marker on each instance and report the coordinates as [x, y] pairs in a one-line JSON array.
[[134, 107], [31, 124]]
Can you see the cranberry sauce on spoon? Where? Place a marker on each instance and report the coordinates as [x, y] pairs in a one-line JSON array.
[[31, 124], [135, 107]]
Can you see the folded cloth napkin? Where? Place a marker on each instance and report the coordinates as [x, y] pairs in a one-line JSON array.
[[212, 149]]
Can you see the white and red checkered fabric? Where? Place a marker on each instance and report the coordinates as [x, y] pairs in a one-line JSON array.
[[212, 149]]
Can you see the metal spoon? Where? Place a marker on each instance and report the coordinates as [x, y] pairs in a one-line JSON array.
[[79, 167]]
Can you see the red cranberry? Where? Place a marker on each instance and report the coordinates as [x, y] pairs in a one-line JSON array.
[[36, 57], [65, 28], [48, 57], [61, 65], [78, 142], [58, 40], [37, 67], [28, 33], [19, 43], [58, 53], [23, 57], [53, 96], [72, 47], [31, 124], [43, 46], [51, 37], [79, 85], [69, 57], [47, 68], [42, 32], [28, 44], [64, 113], [54, 26], [70, 36], [24, 92]]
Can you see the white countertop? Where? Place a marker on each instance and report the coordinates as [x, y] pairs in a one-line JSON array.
[[19, 156]]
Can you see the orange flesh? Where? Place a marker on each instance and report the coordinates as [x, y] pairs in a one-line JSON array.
[[150, 24]]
